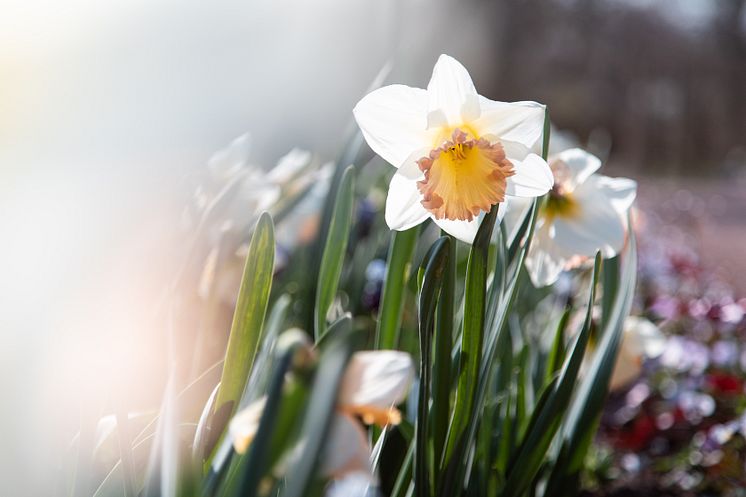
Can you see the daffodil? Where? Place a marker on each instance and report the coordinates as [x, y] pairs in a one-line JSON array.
[[641, 340], [457, 153], [373, 384], [582, 214], [237, 191], [234, 192]]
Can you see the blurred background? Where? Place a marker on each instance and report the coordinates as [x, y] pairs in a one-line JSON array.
[[110, 112]]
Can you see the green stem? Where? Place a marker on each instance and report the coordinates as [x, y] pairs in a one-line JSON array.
[[442, 366], [401, 251]]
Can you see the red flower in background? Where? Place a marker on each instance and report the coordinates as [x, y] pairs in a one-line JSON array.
[[639, 435], [725, 383]]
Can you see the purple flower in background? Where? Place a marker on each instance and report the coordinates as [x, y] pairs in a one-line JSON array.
[[731, 313], [665, 307], [375, 272], [696, 406], [724, 353], [683, 354], [699, 308]]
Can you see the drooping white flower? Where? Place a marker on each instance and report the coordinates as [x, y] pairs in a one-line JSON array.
[[457, 153], [300, 225], [641, 340], [236, 192], [583, 213], [242, 190], [373, 384], [251, 191]]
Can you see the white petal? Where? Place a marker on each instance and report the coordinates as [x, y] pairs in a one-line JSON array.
[[393, 120], [354, 484], [347, 449], [404, 201], [581, 166], [451, 94], [644, 337], [516, 208], [289, 166], [544, 261], [597, 226], [620, 191], [627, 367], [514, 151], [265, 195], [462, 230], [641, 339], [466, 231], [226, 162], [532, 177], [561, 140], [245, 423], [521, 122], [378, 378]]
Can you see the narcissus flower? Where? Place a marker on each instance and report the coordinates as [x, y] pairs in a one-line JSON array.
[[373, 384], [457, 153], [641, 340], [583, 213], [236, 191]]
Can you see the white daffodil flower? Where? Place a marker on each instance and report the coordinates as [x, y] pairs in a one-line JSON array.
[[373, 384], [249, 190], [641, 340], [457, 153], [583, 213], [254, 192]]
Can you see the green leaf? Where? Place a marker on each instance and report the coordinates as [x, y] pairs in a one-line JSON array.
[[442, 380], [258, 460], [261, 370], [248, 318], [505, 442], [500, 274], [610, 280], [498, 338], [341, 326], [547, 416], [524, 398], [473, 331], [557, 353], [404, 478], [350, 154], [434, 268], [320, 413], [199, 445], [524, 229], [334, 250], [582, 420], [545, 134], [398, 265]]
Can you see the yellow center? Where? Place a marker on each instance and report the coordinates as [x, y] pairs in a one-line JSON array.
[[560, 204], [374, 415], [368, 414], [464, 176]]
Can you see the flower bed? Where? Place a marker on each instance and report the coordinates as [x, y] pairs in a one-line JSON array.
[[680, 427]]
